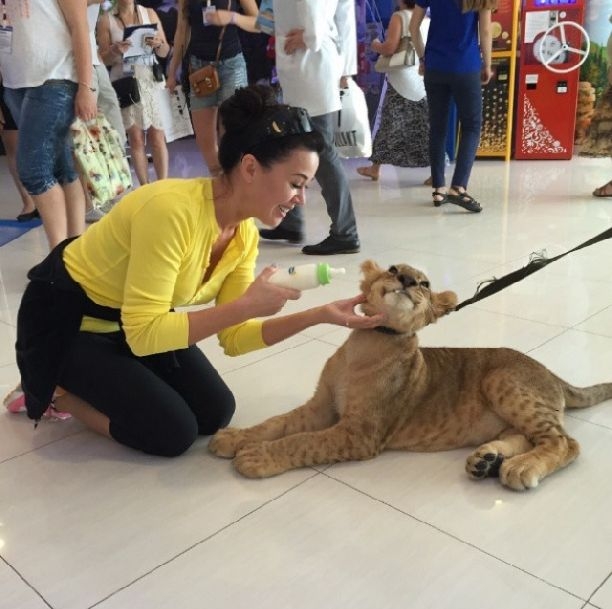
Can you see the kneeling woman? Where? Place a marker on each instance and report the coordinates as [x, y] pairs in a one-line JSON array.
[[97, 329]]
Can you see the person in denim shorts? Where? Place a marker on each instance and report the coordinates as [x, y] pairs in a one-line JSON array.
[[202, 24], [10, 137], [47, 78]]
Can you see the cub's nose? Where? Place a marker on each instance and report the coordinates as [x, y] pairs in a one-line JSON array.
[[406, 280]]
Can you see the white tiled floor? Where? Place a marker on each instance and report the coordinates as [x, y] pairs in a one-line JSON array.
[[87, 523]]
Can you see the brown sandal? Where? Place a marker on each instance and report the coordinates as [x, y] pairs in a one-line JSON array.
[[366, 172], [604, 191]]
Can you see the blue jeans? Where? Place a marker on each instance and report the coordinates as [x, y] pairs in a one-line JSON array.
[[232, 75], [334, 188], [466, 91], [43, 115]]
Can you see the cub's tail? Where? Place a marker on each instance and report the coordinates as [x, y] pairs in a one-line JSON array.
[[581, 397]]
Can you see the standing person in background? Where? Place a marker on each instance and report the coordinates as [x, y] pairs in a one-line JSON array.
[[316, 46], [197, 36], [10, 136], [403, 136], [456, 62], [106, 98], [47, 74], [143, 116]]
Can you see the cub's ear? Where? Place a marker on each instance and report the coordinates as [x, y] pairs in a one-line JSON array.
[[443, 303], [368, 267], [370, 271]]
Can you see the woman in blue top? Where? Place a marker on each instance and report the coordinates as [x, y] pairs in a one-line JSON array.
[[455, 66]]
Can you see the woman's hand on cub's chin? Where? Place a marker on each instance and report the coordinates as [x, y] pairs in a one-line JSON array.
[[342, 313]]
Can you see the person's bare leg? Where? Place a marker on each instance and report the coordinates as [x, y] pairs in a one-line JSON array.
[[75, 207], [9, 139], [159, 150], [84, 412], [205, 127], [51, 205], [138, 154]]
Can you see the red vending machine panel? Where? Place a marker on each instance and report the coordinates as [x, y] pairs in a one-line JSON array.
[[553, 47]]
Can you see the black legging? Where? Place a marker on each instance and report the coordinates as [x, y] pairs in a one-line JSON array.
[[158, 403]]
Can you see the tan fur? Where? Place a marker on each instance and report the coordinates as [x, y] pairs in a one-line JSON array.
[[381, 391]]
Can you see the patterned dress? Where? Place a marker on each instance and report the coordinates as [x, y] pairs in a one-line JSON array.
[[403, 136], [145, 113]]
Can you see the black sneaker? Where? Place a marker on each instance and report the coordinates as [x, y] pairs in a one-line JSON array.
[[281, 234], [330, 246]]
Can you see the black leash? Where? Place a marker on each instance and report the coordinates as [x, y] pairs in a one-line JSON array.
[[537, 262]]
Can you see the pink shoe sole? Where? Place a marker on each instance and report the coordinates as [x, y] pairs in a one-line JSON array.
[[53, 413], [15, 403]]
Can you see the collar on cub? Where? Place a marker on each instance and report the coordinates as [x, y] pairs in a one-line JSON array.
[[387, 330]]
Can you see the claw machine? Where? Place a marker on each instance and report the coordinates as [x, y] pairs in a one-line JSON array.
[[498, 94], [554, 44]]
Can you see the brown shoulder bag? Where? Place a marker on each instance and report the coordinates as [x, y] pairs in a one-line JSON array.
[[205, 81]]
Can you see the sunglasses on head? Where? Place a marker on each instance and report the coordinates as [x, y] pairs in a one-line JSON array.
[[286, 120]]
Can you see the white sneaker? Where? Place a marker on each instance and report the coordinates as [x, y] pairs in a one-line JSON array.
[[93, 215]]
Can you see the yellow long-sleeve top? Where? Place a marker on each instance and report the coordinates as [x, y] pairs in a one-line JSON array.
[[150, 255]]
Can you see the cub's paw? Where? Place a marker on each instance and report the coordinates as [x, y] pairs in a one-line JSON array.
[[255, 461], [484, 463], [226, 442], [521, 472]]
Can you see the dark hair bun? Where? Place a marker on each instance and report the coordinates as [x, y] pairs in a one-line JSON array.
[[247, 106]]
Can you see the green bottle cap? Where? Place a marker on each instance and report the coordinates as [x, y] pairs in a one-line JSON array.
[[326, 272]]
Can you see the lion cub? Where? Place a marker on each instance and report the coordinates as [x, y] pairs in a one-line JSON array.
[[381, 391]]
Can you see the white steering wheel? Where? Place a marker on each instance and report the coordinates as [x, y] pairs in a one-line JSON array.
[[550, 56]]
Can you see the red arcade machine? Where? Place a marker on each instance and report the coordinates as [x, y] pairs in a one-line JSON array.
[[553, 47]]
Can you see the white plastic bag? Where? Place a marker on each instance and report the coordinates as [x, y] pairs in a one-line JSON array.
[[174, 113], [352, 128]]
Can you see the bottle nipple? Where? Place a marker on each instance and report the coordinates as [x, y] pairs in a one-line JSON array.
[[326, 272]]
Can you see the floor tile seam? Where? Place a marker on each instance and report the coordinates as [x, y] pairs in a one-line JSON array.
[[6, 323], [51, 442], [212, 535], [522, 318], [430, 252], [569, 414], [551, 270], [575, 326], [25, 581], [577, 276], [563, 330], [601, 585], [454, 537], [307, 340], [515, 259], [320, 339]]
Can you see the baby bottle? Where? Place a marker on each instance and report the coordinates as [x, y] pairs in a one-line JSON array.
[[306, 276]]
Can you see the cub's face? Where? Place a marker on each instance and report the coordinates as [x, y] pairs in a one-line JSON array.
[[402, 293]]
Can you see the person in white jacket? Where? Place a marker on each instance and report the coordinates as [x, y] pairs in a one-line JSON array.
[[316, 47]]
